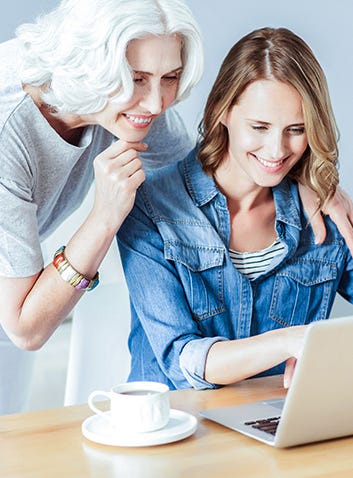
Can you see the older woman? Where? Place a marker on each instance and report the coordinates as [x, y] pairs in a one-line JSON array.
[[90, 72], [223, 272]]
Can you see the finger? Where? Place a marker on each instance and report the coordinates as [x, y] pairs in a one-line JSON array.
[[137, 178], [318, 226], [110, 164], [309, 200], [289, 371], [344, 225], [120, 146], [130, 167]]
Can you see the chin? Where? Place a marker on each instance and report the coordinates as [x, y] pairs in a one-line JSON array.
[[131, 136]]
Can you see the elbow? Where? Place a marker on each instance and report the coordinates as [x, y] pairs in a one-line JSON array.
[[28, 343]]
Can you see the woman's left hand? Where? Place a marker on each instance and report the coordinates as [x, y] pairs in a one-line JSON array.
[[339, 208], [289, 371]]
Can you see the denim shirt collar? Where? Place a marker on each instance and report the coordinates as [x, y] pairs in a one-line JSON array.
[[203, 189]]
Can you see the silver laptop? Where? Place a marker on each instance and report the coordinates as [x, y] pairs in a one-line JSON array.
[[319, 403]]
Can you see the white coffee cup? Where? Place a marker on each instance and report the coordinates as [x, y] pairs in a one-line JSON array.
[[135, 407]]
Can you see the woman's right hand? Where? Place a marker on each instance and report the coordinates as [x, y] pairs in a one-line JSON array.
[[118, 174], [295, 338]]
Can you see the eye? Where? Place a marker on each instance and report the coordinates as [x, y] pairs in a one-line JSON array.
[[259, 127], [171, 78], [296, 130]]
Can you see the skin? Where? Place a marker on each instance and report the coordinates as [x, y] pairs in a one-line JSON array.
[[265, 142], [33, 307]]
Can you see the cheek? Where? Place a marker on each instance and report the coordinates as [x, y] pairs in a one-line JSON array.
[[247, 142], [169, 96], [299, 146]]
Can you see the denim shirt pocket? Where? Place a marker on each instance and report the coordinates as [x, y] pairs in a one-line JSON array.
[[302, 291], [202, 275]]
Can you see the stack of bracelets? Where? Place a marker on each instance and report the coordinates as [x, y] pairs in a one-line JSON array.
[[71, 275]]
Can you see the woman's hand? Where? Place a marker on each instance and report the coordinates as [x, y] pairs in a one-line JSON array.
[[339, 208], [118, 174], [289, 371], [294, 338]]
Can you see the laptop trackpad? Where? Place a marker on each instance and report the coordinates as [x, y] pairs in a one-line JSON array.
[[275, 402]]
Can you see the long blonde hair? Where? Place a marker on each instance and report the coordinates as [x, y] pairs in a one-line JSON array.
[[278, 54]]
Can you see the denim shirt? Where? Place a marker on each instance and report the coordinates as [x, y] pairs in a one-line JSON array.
[[185, 292]]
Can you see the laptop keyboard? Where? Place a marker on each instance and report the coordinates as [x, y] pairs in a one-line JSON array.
[[268, 425]]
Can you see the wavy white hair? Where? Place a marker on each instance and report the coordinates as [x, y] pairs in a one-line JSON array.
[[77, 52]]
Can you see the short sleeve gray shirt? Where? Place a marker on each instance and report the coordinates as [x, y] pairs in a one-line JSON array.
[[43, 179]]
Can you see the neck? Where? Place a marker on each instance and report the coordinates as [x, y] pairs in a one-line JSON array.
[[251, 209], [68, 126], [242, 194]]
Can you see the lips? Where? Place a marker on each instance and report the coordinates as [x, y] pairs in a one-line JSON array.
[[138, 121], [273, 165]]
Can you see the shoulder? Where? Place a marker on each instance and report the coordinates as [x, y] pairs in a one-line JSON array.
[[163, 185], [165, 192], [168, 141], [11, 92]]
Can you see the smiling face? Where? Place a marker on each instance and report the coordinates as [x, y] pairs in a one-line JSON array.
[[156, 64], [266, 133]]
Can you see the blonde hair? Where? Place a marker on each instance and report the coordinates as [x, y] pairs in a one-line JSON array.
[[278, 54], [77, 52]]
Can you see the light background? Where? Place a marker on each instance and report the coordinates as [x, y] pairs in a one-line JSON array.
[[325, 25]]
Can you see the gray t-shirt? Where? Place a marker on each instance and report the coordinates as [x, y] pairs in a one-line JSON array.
[[43, 179]]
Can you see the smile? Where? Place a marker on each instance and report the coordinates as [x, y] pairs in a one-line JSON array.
[[139, 119], [269, 164]]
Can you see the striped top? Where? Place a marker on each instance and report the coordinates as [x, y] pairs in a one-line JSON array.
[[252, 264]]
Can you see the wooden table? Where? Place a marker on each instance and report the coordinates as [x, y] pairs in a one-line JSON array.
[[49, 444]]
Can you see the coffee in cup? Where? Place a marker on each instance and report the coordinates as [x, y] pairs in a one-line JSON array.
[[135, 407]]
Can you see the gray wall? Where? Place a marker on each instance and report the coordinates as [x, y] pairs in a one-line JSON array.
[[324, 24], [15, 12]]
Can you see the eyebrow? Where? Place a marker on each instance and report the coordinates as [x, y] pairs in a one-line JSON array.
[[265, 123], [176, 70]]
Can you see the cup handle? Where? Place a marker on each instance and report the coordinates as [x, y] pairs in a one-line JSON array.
[[91, 404]]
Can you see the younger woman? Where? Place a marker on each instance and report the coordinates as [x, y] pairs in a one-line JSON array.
[[221, 264]]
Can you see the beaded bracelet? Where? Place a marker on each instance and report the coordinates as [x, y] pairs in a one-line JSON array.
[[70, 275]]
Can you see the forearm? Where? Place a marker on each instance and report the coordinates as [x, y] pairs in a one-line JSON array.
[[234, 360], [49, 299]]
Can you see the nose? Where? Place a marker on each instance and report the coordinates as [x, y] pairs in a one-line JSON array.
[[152, 99], [277, 145]]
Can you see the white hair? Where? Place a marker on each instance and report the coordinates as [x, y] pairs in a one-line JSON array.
[[77, 52]]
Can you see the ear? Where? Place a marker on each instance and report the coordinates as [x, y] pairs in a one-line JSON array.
[[224, 119]]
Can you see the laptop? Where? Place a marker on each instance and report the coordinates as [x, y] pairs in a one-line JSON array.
[[319, 402]]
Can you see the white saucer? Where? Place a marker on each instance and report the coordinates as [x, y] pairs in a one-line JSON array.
[[181, 425]]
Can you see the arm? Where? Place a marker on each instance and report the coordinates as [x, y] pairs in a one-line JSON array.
[[33, 307], [180, 347], [339, 208], [167, 320], [235, 360]]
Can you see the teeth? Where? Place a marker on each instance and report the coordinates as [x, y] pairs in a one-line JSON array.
[[139, 120], [270, 164]]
